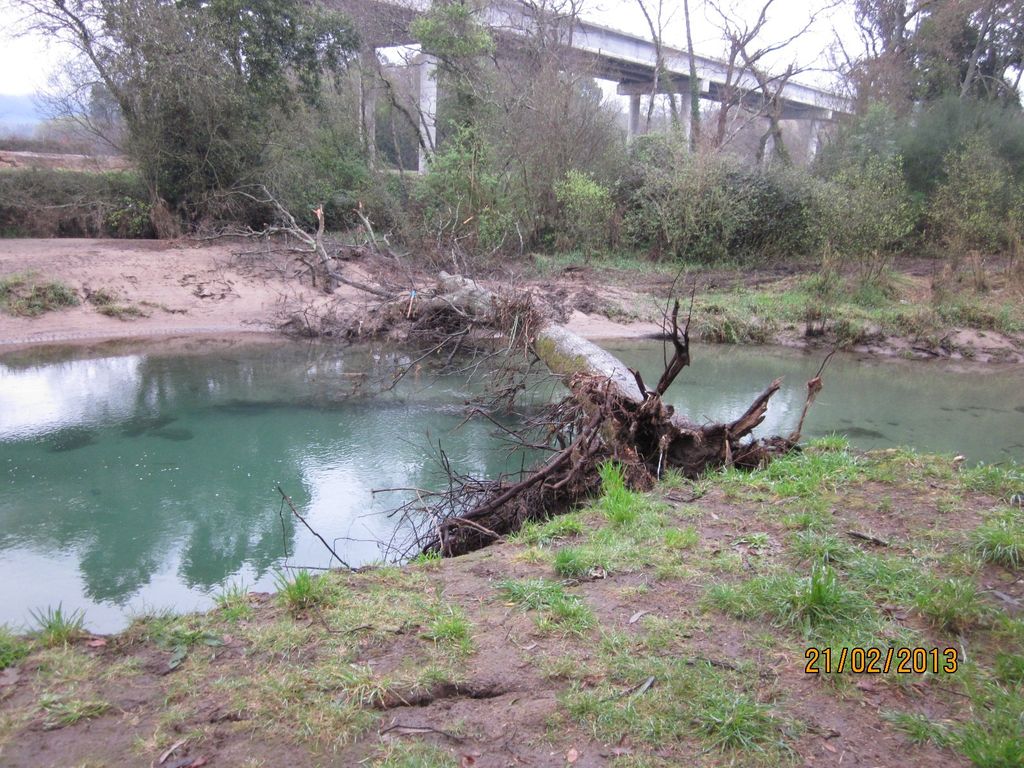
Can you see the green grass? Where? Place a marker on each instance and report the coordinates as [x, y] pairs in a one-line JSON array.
[[817, 602], [620, 505], [417, 755], [60, 712], [917, 728], [233, 602], [733, 720], [1000, 539], [12, 648], [556, 529], [999, 481], [579, 562], [25, 295], [558, 610], [301, 591], [450, 628], [953, 604], [121, 311], [54, 627]]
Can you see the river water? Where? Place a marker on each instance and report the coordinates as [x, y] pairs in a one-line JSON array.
[[143, 476]]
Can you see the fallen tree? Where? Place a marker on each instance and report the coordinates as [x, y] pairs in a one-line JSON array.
[[609, 414]]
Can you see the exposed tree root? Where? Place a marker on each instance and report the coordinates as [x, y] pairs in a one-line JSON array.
[[610, 414]]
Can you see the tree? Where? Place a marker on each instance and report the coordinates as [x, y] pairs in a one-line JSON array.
[[196, 84], [751, 88], [924, 50]]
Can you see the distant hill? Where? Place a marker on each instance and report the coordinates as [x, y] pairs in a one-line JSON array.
[[18, 112]]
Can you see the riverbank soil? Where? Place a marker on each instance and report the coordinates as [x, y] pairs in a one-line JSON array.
[[662, 629], [136, 288]]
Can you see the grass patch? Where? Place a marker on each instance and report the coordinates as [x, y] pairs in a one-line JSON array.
[[301, 591], [662, 699], [556, 529], [559, 610], [619, 504], [233, 602], [54, 627], [999, 481], [12, 648], [451, 629], [953, 604], [60, 712], [580, 562], [1000, 539], [26, 295], [416, 755]]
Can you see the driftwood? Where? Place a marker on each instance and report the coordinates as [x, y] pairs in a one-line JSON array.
[[610, 414]]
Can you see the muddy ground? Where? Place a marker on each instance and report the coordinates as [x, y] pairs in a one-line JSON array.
[[225, 286]]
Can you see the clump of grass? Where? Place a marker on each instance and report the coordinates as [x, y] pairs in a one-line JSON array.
[[814, 602], [820, 547], [579, 562], [450, 628], [233, 602], [61, 712], [55, 627], [300, 592], [681, 538], [559, 610], [426, 558], [555, 529], [953, 604], [24, 295], [1009, 668], [1000, 539], [12, 648], [917, 728], [416, 755], [1002, 482], [121, 311], [620, 505], [733, 720]]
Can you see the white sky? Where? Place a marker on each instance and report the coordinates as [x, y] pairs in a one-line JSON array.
[[26, 63]]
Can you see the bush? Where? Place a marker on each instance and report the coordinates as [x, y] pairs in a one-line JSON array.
[[866, 212], [586, 209], [971, 208], [712, 208], [46, 203]]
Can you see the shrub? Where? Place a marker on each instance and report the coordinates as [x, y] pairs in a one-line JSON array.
[[47, 203], [586, 210], [866, 212], [712, 208], [971, 208]]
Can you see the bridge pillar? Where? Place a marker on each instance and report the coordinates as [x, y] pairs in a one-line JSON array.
[[633, 126], [427, 109], [814, 142]]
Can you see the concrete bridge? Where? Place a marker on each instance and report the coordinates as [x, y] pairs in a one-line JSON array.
[[613, 55]]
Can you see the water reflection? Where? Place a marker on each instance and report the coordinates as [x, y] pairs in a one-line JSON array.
[[147, 475], [166, 465]]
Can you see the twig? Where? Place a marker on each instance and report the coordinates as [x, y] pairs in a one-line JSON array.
[[868, 537], [302, 520]]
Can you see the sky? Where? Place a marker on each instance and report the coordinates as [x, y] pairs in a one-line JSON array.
[[26, 63]]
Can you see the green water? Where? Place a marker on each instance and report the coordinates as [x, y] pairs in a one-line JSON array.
[[141, 477]]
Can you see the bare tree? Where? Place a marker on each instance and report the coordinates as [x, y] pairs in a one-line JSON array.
[[656, 24], [751, 90]]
